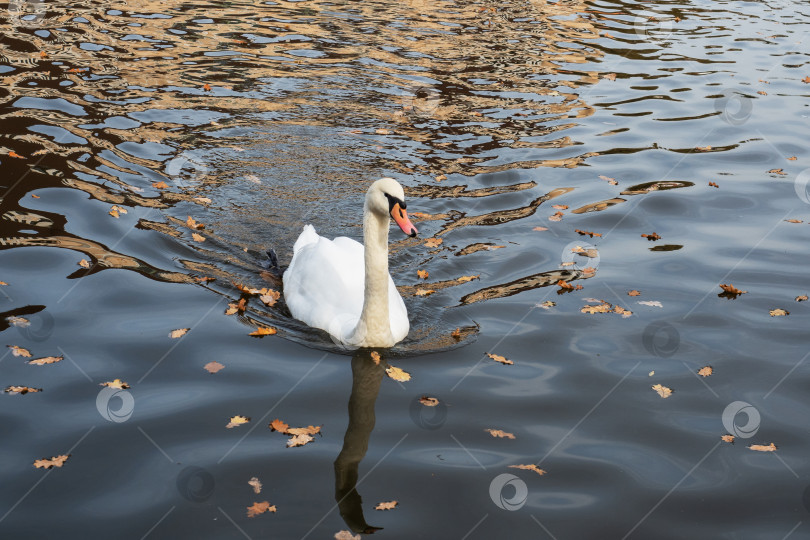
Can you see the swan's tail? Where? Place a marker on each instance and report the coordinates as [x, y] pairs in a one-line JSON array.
[[308, 236]]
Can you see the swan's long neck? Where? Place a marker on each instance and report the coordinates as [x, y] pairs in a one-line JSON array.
[[374, 327]]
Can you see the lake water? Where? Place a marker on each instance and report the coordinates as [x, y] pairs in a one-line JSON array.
[[675, 132]]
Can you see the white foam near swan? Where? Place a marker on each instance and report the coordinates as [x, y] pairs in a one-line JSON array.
[[342, 286]]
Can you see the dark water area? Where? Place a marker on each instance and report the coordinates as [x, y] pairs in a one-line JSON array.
[[517, 129]]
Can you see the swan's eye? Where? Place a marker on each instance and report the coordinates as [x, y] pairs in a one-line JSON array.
[[392, 201]]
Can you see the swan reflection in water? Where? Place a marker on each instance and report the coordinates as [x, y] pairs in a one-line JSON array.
[[366, 379]]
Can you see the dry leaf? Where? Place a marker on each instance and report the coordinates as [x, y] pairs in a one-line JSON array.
[[386, 505], [557, 216], [278, 425], [763, 448], [160, 185], [777, 171], [564, 284], [456, 334], [256, 484], [180, 332], [652, 237], [532, 467], [801, 298], [441, 177], [19, 322], [609, 76], [499, 433], [652, 373], [792, 158], [213, 367], [548, 304], [263, 331], [397, 374], [19, 351], [604, 307], [501, 359], [587, 233], [193, 224], [428, 401], [259, 507], [299, 440], [237, 421], [727, 438], [21, 390], [117, 383], [424, 292], [779, 313], [762, 92], [198, 237], [560, 206], [207, 87], [346, 535], [712, 184], [731, 289], [623, 312], [794, 221], [540, 229], [376, 357], [433, 242], [204, 279], [663, 391], [309, 430], [422, 274], [465, 279], [705, 371], [15, 155], [45, 360], [57, 461], [634, 293], [84, 263], [806, 80]]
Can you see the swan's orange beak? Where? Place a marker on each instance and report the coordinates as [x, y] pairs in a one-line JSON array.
[[401, 217]]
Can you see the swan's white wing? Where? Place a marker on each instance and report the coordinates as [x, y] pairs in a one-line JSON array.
[[325, 283]]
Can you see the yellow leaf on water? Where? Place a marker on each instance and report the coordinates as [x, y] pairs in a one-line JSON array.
[[213, 367], [198, 237], [705, 371], [299, 440], [117, 383], [531, 467], [45, 360], [779, 313], [763, 447], [57, 461], [180, 332], [237, 421], [386, 505], [727, 438], [259, 508], [263, 331], [500, 434], [397, 374], [499, 358], [663, 391], [19, 351], [424, 292]]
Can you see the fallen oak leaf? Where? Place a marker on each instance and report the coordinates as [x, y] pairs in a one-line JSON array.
[[663, 391], [422, 274], [779, 313], [237, 420], [117, 383], [634, 293], [604, 307], [19, 351], [500, 359], [801, 298], [198, 237], [548, 304], [397, 374], [424, 292], [777, 171], [622, 311], [652, 237], [180, 332], [587, 233], [13, 390], [712, 184], [556, 216], [45, 360], [763, 447], [278, 425], [160, 185], [19, 322], [428, 401], [386, 505], [213, 367], [193, 224], [456, 334], [299, 440], [705, 371], [263, 331], [731, 289], [309, 430], [465, 279], [531, 467], [727, 438], [56, 461], [84, 263], [207, 87], [499, 434], [259, 508]]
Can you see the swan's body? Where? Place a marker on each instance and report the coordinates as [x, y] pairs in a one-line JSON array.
[[342, 286]]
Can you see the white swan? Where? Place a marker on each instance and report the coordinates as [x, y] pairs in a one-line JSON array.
[[342, 286]]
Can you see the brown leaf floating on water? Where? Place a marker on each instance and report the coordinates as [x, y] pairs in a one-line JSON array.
[[540, 229], [501, 359], [13, 390], [634, 293], [604, 307], [386, 505], [587, 233], [278, 425], [763, 447], [465, 279], [213, 367], [560, 206], [727, 438], [652, 237], [117, 383], [712, 184], [731, 289], [309, 430], [198, 237], [779, 313], [556, 216], [263, 331], [397, 374], [193, 224], [428, 401], [705, 371], [45, 360], [703, 148], [777, 171], [57, 461], [424, 292], [299, 440], [433, 242], [270, 298], [237, 420], [499, 434], [347, 535], [160, 185], [548, 304], [456, 334], [259, 508], [622, 311], [801, 298], [422, 274], [180, 332], [794, 221], [256, 484], [663, 391], [19, 351], [84, 263], [531, 467], [441, 177]]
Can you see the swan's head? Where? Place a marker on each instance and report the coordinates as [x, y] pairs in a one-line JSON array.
[[386, 196]]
